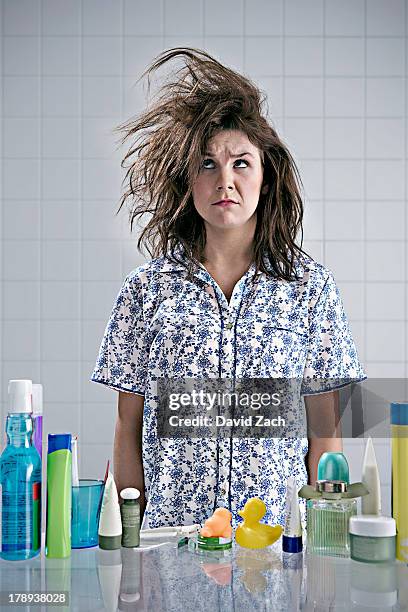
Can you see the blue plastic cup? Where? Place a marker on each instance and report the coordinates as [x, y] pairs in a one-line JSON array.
[[86, 506]]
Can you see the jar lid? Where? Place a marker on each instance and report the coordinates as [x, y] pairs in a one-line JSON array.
[[331, 486], [130, 493], [372, 525], [399, 413]]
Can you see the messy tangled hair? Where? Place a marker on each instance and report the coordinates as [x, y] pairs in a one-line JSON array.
[[168, 141]]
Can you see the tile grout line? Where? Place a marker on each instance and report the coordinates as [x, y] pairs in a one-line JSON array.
[[40, 193], [324, 254], [405, 183], [93, 201], [80, 222], [40, 232], [283, 70], [311, 77], [364, 228], [2, 250], [202, 23], [175, 36], [272, 76], [244, 4], [315, 159], [122, 114], [113, 240]]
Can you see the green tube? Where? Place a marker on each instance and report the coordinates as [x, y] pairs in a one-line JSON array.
[[59, 494]]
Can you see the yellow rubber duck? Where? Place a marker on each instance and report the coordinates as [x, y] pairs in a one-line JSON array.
[[252, 533]]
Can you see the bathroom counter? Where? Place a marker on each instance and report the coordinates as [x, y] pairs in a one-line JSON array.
[[171, 579]]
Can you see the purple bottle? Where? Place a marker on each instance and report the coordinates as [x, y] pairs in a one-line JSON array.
[[37, 416]]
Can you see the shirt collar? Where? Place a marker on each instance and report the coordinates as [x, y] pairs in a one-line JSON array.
[[169, 265]]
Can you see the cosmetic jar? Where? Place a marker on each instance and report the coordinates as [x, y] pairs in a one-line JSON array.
[[372, 538]]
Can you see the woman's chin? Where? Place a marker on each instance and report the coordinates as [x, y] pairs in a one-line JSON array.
[[227, 222], [227, 226]]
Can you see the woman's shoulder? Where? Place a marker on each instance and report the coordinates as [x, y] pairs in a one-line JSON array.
[[145, 272], [314, 277], [311, 271]]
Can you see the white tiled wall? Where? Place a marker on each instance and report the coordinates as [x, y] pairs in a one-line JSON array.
[[336, 78]]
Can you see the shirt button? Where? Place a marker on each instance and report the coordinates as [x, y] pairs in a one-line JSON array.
[[229, 326], [223, 491]]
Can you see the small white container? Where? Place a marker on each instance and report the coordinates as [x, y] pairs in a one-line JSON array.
[[372, 538]]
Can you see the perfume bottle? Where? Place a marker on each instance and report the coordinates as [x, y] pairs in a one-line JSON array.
[[328, 518]]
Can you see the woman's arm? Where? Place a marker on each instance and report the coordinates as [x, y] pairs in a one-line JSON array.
[[127, 449], [324, 430]]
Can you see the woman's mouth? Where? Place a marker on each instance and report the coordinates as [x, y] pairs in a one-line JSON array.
[[224, 203]]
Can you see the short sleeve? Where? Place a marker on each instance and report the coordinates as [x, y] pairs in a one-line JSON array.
[[123, 355], [332, 361]]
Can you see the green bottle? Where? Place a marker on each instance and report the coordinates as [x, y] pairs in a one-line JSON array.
[[59, 467], [130, 513], [330, 505]]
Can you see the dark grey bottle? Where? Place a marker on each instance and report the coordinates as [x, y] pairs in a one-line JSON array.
[[130, 512]]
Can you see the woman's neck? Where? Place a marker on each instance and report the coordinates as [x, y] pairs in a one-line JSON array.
[[228, 248]]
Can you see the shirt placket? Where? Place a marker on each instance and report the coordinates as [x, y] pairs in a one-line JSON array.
[[229, 315]]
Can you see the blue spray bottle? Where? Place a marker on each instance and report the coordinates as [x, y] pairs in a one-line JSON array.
[[20, 479]]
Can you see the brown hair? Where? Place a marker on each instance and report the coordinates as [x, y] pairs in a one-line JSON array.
[[168, 141]]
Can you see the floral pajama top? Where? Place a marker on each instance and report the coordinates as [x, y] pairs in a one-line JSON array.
[[163, 325]]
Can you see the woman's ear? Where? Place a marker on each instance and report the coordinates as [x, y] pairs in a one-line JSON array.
[[265, 188]]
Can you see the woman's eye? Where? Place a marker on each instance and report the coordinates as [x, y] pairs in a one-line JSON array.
[[207, 161], [242, 160]]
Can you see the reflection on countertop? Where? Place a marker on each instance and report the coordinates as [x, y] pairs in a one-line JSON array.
[[172, 579]]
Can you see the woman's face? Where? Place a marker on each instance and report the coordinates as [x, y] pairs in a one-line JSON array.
[[226, 191]]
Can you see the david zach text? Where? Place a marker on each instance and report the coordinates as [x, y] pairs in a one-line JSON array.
[[257, 420]]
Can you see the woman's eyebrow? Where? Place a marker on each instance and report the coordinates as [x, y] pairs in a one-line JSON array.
[[237, 155]]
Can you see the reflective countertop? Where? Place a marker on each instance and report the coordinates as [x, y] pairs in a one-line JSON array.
[[170, 578]]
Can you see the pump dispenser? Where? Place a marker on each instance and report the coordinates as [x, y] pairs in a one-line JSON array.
[[20, 479]]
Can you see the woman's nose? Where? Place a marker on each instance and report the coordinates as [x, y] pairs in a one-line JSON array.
[[225, 180]]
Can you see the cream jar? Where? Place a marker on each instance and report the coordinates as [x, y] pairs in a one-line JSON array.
[[372, 538]]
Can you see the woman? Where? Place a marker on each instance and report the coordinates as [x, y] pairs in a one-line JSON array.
[[228, 294]]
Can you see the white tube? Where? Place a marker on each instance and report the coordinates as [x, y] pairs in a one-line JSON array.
[[292, 533], [74, 450], [371, 503], [110, 523]]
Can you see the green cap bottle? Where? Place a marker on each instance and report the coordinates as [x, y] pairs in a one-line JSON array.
[[333, 466]]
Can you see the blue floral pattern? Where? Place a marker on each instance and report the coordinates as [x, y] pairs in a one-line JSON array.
[[164, 325]]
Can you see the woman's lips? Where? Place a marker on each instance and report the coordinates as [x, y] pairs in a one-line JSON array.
[[224, 203]]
